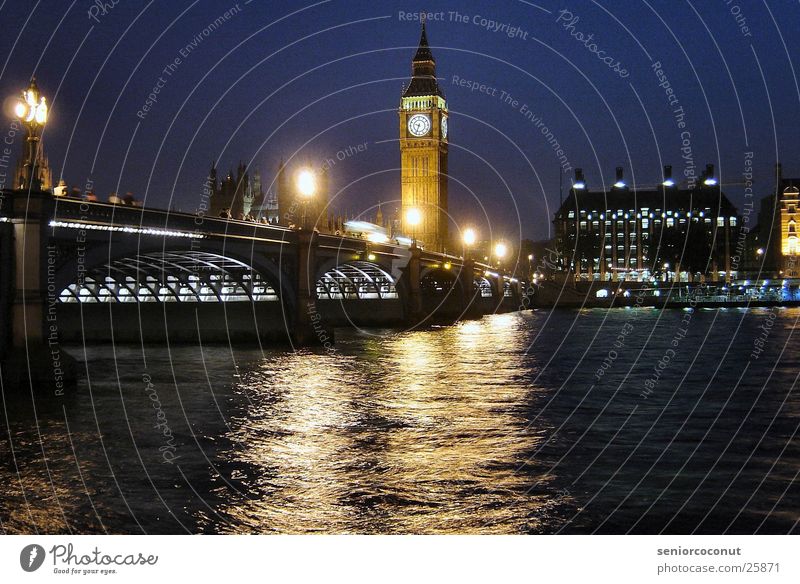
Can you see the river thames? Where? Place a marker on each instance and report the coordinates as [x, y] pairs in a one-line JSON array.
[[606, 421]]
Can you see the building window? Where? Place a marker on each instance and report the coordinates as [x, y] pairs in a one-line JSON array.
[[720, 221], [645, 223], [571, 215], [670, 222], [733, 221]]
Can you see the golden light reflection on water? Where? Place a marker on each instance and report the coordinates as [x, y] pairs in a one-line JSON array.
[[421, 432]]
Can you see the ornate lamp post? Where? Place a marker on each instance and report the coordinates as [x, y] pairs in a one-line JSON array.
[[500, 251], [469, 237], [413, 218], [32, 112], [307, 187]]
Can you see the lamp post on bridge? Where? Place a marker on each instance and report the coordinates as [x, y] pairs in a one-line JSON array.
[[469, 237], [32, 111], [500, 251], [307, 187], [31, 357], [413, 219]]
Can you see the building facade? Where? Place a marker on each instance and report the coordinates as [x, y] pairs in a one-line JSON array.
[[660, 233], [790, 249], [234, 193], [423, 151], [773, 246]]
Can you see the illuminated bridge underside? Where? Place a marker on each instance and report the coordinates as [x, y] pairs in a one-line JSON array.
[[187, 276], [356, 281]]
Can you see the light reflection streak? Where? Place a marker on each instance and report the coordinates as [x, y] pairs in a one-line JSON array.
[[402, 438]]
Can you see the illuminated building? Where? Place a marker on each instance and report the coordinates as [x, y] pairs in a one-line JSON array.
[[423, 151], [663, 232], [772, 247], [790, 250]]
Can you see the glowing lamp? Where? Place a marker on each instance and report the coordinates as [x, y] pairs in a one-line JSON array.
[[413, 217], [306, 183], [500, 250], [469, 237]]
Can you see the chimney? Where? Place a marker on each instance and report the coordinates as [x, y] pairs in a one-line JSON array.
[[668, 182], [579, 182], [619, 183], [709, 179]]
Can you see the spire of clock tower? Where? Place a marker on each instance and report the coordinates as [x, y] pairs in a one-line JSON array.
[[423, 70]]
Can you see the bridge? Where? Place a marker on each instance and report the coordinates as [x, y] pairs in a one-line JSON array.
[[73, 270]]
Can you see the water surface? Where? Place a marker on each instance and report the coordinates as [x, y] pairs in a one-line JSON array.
[[501, 425]]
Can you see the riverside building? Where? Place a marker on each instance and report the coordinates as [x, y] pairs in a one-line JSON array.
[[648, 234]]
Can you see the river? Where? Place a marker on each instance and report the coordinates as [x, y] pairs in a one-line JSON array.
[[606, 421]]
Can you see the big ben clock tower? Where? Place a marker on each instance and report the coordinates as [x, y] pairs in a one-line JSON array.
[[423, 151]]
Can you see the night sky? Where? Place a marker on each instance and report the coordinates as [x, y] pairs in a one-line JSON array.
[[306, 81]]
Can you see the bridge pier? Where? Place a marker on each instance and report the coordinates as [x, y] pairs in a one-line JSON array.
[[414, 312], [308, 328], [466, 278], [32, 355]]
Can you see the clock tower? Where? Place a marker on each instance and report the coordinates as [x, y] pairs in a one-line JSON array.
[[423, 151]]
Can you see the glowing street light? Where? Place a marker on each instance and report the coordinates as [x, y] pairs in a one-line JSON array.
[[469, 237], [306, 182], [413, 219], [32, 111], [500, 250]]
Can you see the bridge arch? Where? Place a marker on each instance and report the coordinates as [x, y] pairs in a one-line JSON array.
[[356, 280], [482, 287], [170, 276], [226, 261]]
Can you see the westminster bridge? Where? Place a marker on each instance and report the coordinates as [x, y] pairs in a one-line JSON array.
[[73, 270]]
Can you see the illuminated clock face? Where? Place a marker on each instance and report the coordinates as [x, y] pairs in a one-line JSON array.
[[444, 127], [419, 125]]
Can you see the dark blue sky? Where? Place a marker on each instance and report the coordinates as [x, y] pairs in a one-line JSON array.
[[284, 79]]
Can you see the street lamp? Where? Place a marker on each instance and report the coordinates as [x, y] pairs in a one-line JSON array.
[[500, 250], [307, 187], [32, 112], [413, 218], [469, 237]]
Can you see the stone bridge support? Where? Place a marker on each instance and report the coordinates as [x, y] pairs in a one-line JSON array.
[[466, 279], [411, 277], [308, 327], [32, 355]]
